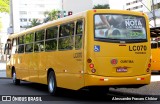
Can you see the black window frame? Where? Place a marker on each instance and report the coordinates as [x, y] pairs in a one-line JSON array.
[[21, 44], [79, 34]]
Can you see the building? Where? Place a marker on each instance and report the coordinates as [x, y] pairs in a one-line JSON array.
[[34, 9], [154, 15], [138, 5], [150, 7], [24, 11], [4, 22], [145, 6]]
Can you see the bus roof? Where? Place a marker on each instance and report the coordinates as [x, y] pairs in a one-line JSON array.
[[48, 24], [70, 18]]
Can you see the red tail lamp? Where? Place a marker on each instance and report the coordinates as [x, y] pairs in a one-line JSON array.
[[91, 65], [149, 65]]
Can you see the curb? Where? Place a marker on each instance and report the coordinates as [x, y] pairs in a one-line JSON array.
[[3, 70], [5, 78]]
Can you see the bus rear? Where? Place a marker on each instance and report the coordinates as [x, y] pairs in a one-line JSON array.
[[118, 49]]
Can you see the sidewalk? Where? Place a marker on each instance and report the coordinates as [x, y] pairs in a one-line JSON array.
[[2, 69]]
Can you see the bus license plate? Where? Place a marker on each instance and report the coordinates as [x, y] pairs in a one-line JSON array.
[[121, 69]]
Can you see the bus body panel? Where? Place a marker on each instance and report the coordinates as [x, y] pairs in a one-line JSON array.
[[125, 59], [155, 48], [33, 66], [68, 68], [155, 63], [21, 70], [72, 67], [94, 80], [134, 57]]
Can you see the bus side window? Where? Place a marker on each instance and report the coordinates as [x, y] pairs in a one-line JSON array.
[[154, 43], [66, 36], [78, 35], [158, 41], [14, 46], [39, 41], [51, 38], [21, 44], [20, 48], [29, 42]]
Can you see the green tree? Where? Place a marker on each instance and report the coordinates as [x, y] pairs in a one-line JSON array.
[[105, 6], [4, 6], [50, 15], [34, 22]]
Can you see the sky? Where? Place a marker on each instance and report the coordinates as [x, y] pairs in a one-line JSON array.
[[114, 4], [95, 2]]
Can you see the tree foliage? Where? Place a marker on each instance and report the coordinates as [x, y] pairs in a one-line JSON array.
[[50, 15], [4, 6], [105, 6], [34, 22]]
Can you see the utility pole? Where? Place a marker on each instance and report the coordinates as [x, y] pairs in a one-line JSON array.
[[62, 5], [153, 12], [14, 15]]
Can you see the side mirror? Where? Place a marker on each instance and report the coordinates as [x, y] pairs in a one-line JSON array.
[[7, 49]]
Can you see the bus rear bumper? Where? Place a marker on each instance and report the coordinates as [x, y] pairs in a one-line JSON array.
[[94, 80]]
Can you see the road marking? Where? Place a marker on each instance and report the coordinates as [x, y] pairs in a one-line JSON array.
[[155, 78]]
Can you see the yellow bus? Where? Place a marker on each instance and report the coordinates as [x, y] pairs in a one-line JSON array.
[[96, 49], [155, 48]]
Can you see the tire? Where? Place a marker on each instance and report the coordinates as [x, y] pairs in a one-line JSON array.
[[52, 85], [14, 78]]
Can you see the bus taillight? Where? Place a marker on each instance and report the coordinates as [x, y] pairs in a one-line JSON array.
[[93, 70], [140, 78], [91, 65], [149, 65]]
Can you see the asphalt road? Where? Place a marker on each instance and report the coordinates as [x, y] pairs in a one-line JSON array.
[[27, 89], [64, 96]]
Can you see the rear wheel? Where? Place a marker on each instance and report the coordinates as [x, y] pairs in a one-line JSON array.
[[14, 78], [52, 83]]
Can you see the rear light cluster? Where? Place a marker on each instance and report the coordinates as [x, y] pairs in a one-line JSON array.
[[140, 79], [149, 65], [91, 65]]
